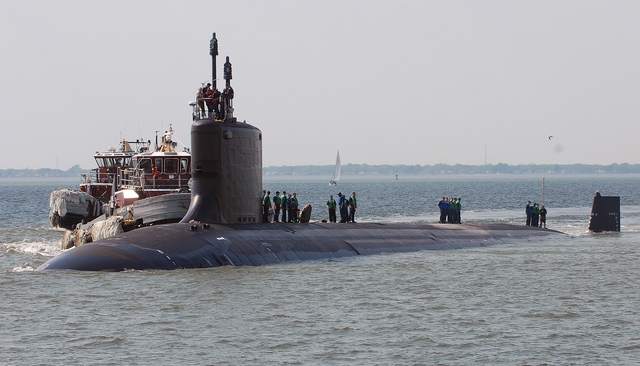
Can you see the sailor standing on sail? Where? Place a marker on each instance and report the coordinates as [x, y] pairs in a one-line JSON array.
[[206, 95], [213, 102], [200, 100]]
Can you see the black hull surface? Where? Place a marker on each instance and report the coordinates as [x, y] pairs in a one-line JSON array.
[[178, 246]]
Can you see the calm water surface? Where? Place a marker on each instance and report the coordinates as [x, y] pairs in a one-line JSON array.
[[572, 299]]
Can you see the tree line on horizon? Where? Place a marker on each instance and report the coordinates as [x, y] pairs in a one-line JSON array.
[[364, 169], [74, 171], [385, 169]]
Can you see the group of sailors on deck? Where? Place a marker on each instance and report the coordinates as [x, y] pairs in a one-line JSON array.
[[287, 205], [535, 213], [284, 203], [347, 207], [450, 210], [217, 103]]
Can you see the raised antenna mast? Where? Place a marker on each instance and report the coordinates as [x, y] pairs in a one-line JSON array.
[[227, 72], [213, 51]]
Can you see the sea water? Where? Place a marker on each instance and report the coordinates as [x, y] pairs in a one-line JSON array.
[[570, 299]]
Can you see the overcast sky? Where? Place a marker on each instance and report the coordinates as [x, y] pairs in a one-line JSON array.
[[385, 82]]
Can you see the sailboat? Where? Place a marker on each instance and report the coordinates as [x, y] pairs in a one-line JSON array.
[[336, 175]]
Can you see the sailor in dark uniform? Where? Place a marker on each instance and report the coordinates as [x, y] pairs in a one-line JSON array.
[[284, 206], [443, 211], [342, 207], [212, 104]]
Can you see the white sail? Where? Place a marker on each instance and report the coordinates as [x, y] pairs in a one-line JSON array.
[[336, 175]]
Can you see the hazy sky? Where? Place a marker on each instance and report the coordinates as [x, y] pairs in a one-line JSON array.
[[385, 82]]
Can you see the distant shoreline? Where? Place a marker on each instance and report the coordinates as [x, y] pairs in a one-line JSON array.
[[353, 170], [444, 169]]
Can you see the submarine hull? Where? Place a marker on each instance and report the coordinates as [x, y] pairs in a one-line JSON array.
[[183, 245]]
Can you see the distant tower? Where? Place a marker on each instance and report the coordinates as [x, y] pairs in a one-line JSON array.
[[485, 154]]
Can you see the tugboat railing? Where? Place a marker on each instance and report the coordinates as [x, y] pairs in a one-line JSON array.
[[201, 108], [139, 179], [136, 178], [85, 178]]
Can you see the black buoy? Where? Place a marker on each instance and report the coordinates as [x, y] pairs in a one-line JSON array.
[[605, 213]]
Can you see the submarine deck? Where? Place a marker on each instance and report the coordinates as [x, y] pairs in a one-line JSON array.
[[183, 245]]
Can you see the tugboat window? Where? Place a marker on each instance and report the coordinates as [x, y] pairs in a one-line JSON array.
[[184, 166], [171, 166], [145, 164], [159, 164]]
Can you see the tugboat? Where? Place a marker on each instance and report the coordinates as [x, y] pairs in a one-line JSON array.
[[131, 173]]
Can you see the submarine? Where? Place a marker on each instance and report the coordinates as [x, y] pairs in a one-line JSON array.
[[222, 226]]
